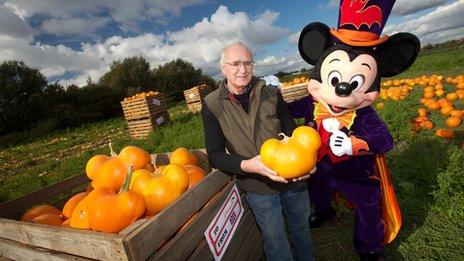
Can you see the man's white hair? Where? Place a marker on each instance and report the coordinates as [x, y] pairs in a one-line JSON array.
[[224, 50]]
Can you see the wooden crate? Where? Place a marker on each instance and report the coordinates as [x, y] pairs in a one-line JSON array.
[[143, 114], [294, 92], [195, 95], [165, 236]]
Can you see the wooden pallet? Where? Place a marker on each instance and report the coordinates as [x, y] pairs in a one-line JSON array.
[[176, 233], [144, 107], [195, 95], [294, 92]]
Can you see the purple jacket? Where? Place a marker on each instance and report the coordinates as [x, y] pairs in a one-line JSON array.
[[367, 126]]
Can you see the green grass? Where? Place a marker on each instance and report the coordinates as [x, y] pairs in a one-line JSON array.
[[428, 172]]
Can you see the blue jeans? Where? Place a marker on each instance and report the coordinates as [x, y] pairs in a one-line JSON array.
[[267, 210]]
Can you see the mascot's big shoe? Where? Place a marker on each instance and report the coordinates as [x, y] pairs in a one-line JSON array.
[[349, 63]]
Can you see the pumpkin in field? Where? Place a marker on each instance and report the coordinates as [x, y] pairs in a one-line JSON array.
[[69, 206], [112, 212], [182, 156], [50, 219], [445, 133], [161, 188], [453, 121], [293, 156], [195, 174], [38, 211]]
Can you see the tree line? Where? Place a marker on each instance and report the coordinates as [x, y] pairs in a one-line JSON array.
[[28, 101]]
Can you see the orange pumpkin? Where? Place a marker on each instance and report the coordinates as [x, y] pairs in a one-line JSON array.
[[453, 121], [69, 206], [94, 163], [112, 212], [135, 156], [111, 175], [66, 223], [80, 214], [445, 133], [50, 219], [40, 210], [161, 188], [293, 156], [195, 174], [182, 156]]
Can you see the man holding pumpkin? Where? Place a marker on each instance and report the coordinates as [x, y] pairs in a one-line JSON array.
[[238, 117]]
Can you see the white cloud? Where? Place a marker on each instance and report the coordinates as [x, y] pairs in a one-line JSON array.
[[273, 65], [73, 26], [442, 24], [13, 25], [405, 7], [332, 4], [293, 38], [200, 44]]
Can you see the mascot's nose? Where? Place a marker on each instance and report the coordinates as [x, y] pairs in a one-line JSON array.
[[343, 89]]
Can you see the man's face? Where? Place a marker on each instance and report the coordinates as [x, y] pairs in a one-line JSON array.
[[237, 67]]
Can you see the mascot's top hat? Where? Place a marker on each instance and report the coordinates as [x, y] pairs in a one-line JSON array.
[[360, 22]]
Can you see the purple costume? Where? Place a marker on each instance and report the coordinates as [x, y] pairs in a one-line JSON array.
[[355, 177]]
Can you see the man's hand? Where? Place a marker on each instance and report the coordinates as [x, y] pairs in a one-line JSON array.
[[340, 144], [255, 165], [305, 176]]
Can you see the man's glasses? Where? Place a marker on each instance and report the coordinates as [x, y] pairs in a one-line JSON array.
[[236, 64]]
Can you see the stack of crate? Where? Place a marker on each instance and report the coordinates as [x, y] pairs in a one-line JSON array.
[[195, 95], [294, 92], [144, 113]]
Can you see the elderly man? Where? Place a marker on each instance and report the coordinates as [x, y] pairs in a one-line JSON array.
[[238, 117]]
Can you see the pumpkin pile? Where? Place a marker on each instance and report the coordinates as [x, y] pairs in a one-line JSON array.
[[124, 187], [141, 95], [295, 81]]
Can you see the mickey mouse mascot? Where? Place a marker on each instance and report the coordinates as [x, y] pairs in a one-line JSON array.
[[349, 63]]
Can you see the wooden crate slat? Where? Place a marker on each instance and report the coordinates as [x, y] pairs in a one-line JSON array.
[[84, 243], [14, 208], [201, 253], [185, 242], [294, 92], [194, 96], [245, 227], [253, 239], [142, 242], [15, 251]]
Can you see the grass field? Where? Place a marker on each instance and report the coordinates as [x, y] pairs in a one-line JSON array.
[[428, 172]]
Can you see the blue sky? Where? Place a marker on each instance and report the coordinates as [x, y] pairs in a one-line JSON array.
[[70, 41]]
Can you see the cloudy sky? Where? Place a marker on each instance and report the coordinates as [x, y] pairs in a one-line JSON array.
[[70, 41]]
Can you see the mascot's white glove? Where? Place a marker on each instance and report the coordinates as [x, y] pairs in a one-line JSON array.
[[272, 80], [340, 144]]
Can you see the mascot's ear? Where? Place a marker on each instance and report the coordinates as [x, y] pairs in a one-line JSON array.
[[397, 53], [314, 39]]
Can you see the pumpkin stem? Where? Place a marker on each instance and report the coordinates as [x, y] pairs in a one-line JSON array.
[[284, 137], [113, 154], [127, 181]]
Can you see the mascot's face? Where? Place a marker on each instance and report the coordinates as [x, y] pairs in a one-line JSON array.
[[345, 82], [346, 78]]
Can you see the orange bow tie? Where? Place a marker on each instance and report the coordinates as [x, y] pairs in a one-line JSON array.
[[320, 113]]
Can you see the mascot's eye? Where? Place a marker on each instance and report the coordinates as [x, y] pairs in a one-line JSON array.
[[356, 81], [334, 78]]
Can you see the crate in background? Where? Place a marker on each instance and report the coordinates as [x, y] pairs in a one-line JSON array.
[[195, 95], [294, 92], [143, 113]]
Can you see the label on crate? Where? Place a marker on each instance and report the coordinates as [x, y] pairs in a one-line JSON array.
[[221, 230], [159, 120], [156, 102]]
